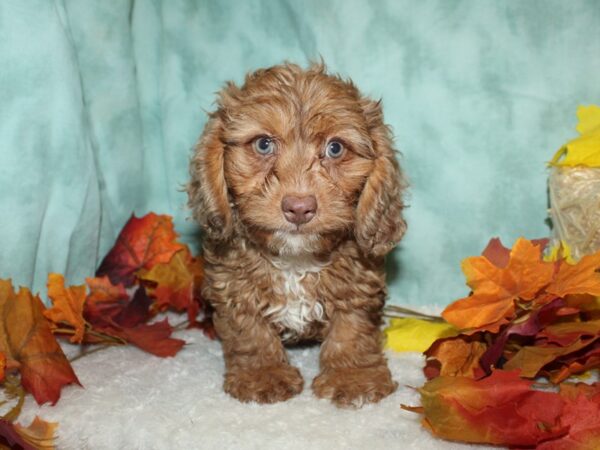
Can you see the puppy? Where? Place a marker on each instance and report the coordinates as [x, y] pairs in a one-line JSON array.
[[295, 184]]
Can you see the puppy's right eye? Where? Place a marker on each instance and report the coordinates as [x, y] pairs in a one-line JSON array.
[[264, 145]]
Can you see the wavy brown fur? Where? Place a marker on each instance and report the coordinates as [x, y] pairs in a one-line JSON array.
[[259, 266]]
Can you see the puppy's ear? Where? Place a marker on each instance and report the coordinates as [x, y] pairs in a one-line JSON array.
[[379, 222], [207, 190]]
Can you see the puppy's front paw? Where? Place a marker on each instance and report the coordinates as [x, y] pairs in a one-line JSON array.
[[265, 385], [354, 386]]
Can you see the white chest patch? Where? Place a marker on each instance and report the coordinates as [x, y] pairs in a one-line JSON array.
[[300, 308]]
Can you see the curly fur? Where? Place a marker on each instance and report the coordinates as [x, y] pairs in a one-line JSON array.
[[273, 282]]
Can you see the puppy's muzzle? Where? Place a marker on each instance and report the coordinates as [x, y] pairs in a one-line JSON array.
[[299, 210]]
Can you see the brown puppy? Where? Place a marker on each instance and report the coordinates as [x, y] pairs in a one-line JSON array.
[[296, 186]]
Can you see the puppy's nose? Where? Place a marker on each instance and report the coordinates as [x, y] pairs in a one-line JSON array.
[[299, 210]]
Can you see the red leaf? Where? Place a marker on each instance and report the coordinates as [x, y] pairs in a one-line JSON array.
[[153, 338], [141, 244], [582, 417], [501, 409], [495, 289]]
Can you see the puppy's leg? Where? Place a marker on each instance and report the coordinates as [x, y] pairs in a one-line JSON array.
[[257, 367], [353, 368]]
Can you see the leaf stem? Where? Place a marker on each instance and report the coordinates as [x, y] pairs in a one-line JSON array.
[[89, 352], [400, 311]]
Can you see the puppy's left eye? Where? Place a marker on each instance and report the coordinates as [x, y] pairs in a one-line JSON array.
[[334, 149], [264, 145]]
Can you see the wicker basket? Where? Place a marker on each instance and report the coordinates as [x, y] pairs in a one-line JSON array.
[[575, 208], [574, 188]]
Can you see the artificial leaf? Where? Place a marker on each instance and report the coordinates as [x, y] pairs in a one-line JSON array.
[[26, 337], [530, 325], [104, 299], [501, 409], [573, 364], [415, 335], [153, 338], [584, 150], [125, 319], [102, 290], [531, 359], [2, 366], [496, 289], [175, 284], [565, 333], [581, 414], [40, 434], [455, 356], [579, 278], [499, 255], [136, 311], [141, 244], [67, 306], [496, 253]]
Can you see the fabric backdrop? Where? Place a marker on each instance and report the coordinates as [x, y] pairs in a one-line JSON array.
[[101, 103]]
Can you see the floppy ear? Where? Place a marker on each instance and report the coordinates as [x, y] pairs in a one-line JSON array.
[[379, 222], [207, 190]]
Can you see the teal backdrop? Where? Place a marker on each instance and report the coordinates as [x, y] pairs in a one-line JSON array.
[[102, 101]]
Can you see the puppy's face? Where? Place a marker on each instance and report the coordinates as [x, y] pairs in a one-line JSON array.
[[296, 150]]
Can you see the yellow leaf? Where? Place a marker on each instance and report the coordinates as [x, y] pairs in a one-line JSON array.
[[560, 251], [584, 150], [416, 335]]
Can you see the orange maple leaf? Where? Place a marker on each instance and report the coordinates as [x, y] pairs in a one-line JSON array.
[[579, 278], [26, 337], [67, 306], [141, 244], [495, 289], [455, 356]]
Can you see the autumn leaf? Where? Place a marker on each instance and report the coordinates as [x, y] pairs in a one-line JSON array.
[[105, 300], [176, 283], [582, 277], [126, 320], [565, 333], [142, 243], [455, 356], [153, 338], [408, 334], [499, 255], [103, 291], [561, 369], [529, 325], [26, 337], [2, 366], [496, 289], [67, 306], [40, 434], [531, 359], [501, 409], [581, 415]]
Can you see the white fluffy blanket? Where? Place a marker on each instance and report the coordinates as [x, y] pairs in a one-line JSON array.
[[133, 400]]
